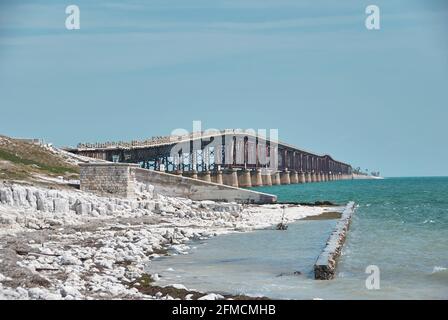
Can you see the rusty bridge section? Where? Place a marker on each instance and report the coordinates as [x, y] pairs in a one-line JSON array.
[[230, 157]]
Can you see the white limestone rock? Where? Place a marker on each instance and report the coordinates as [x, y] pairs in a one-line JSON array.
[[61, 205], [211, 296], [83, 208], [6, 196], [19, 196], [69, 259]]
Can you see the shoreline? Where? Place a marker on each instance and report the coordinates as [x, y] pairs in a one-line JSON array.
[[67, 244]]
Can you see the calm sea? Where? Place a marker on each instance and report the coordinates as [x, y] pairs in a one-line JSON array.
[[400, 226]]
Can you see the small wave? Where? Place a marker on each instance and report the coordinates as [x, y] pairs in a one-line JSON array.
[[439, 270], [428, 221], [440, 274]]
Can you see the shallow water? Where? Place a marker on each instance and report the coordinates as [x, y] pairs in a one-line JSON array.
[[401, 226]]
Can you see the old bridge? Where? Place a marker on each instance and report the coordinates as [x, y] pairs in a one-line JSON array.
[[230, 157]]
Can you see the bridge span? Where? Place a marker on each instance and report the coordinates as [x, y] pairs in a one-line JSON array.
[[230, 157]]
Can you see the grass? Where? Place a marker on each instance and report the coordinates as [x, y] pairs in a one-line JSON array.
[[22, 160], [5, 155]]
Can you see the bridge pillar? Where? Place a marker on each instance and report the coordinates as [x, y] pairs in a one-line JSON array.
[[302, 178], [217, 177], [308, 177], [191, 174], [313, 177], [322, 177], [318, 178], [205, 176], [244, 179], [294, 177], [230, 177], [267, 178], [284, 177], [276, 178], [256, 177]]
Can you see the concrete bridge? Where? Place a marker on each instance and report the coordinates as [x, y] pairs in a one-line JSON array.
[[231, 157]]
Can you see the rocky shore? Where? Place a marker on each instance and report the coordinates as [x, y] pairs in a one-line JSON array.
[[67, 244]]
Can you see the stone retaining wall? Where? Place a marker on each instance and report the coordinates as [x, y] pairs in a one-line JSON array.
[[108, 179]]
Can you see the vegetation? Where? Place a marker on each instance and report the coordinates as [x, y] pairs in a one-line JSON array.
[[21, 160], [5, 155]]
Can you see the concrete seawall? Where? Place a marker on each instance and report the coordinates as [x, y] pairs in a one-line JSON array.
[[119, 179], [325, 266], [179, 186]]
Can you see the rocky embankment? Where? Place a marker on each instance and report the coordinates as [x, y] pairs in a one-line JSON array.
[[66, 244]]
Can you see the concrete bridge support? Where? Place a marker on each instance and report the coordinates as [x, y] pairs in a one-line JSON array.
[[276, 178], [285, 178], [257, 180], [230, 177], [294, 177], [313, 177], [267, 178], [244, 179], [217, 177], [205, 176], [193, 174], [302, 178], [308, 178]]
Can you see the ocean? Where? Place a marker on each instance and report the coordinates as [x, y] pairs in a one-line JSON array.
[[400, 227]]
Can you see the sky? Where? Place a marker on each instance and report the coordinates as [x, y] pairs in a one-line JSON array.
[[310, 68]]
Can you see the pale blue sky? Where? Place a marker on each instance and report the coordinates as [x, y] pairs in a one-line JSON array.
[[375, 99]]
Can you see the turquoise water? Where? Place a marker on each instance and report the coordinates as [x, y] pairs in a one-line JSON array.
[[401, 226]]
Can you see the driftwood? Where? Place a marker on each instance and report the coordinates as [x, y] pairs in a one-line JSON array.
[[47, 269], [32, 253]]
